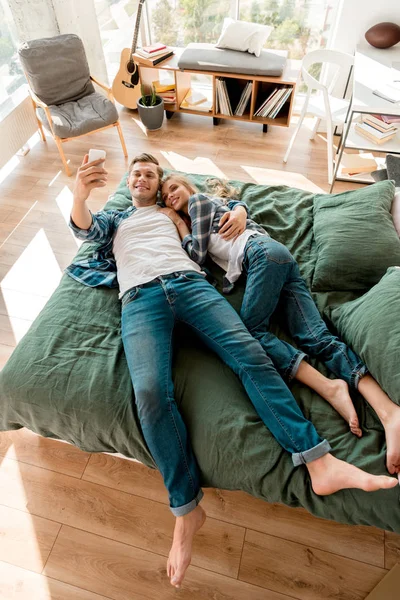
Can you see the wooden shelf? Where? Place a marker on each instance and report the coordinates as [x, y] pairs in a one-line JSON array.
[[262, 87]]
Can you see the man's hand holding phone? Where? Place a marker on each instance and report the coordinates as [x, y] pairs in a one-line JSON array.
[[91, 174]]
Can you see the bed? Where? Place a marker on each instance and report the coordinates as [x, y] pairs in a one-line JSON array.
[[68, 378]]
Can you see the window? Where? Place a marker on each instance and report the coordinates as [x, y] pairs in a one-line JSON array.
[[13, 86], [180, 22], [299, 25]]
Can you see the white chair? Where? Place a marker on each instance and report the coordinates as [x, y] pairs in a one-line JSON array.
[[323, 105]]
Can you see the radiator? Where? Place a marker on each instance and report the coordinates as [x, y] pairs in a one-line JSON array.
[[16, 129]]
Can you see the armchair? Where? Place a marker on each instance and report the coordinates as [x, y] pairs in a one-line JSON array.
[[62, 91]]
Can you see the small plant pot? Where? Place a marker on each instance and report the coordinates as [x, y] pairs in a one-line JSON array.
[[152, 116]]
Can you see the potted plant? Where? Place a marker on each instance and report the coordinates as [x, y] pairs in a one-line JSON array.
[[151, 109]]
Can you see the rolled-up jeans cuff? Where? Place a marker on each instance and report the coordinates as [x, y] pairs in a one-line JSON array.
[[294, 365], [181, 511], [302, 458], [359, 372]]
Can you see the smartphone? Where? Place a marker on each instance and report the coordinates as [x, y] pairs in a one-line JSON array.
[[96, 154]]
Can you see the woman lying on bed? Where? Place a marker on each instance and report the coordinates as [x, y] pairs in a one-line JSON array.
[[273, 279]]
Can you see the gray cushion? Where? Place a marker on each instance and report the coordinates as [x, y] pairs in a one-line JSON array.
[[57, 68], [79, 117], [206, 57]]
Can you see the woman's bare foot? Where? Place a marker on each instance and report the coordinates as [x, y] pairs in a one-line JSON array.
[[181, 551], [337, 394], [389, 415], [392, 431], [335, 391], [329, 475]]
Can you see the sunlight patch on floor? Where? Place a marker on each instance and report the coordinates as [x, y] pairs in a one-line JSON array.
[[64, 201], [9, 168], [36, 271], [200, 165], [274, 177]]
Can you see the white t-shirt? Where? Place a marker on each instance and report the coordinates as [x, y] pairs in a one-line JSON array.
[[229, 254], [146, 245]]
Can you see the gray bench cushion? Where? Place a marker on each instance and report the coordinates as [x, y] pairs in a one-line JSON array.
[[57, 68], [206, 57], [79, 117]]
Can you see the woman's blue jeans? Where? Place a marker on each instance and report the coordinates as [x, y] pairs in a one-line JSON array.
[[149, 313], [274, 282]]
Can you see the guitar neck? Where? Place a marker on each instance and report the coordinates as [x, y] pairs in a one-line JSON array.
[[136, 32]]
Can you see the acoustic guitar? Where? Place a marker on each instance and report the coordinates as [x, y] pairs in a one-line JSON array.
[[126, 85]]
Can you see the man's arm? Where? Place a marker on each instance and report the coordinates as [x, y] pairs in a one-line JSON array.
[[89, 176], [177, 220]]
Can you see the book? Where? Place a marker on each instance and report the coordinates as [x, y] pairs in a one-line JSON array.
[[153, 54], [163, 87], [153, 48], [275, 111], [388, 587], [204, 106], [244, 99], [371, 137], [151, 62], [194, 98], [358, 163], [388, 92], [379, 135], [377, 123], [224, 104], [390, 118], [267, 102]]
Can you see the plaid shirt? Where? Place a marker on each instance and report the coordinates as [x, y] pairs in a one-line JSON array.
[[100, 267], [205, 213]]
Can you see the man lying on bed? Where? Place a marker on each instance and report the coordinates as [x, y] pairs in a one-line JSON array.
[[160, 285]]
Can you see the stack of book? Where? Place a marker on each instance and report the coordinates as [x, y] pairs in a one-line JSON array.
[[244, 99], [273, 104], [195, 100], [223, 104], [166, 91], [375, 130], [152, 55]]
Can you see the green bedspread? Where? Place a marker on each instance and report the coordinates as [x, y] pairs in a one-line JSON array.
[[68, 379]]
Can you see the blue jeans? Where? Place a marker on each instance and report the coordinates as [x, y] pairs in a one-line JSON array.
[[274, 282], [149, 313]]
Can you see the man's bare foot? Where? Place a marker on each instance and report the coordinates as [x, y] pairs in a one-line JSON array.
[[392, 431], [329, 475], [181, 551], [337, 394]]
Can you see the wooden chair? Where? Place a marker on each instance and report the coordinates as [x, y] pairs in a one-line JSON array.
[[62, 91]]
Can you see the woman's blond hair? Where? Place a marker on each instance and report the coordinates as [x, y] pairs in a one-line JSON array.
[[215, 186], [221, 189], [192, 189]]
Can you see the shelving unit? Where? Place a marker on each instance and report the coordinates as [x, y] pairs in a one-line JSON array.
[[262, 87], [371, 71]]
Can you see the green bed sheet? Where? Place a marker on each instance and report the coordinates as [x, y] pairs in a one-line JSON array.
[[68, 379]]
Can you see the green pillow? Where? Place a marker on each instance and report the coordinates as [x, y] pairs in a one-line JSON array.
[[371, 326], [355, 238]]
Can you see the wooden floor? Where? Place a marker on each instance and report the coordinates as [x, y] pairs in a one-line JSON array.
[[76, 526]]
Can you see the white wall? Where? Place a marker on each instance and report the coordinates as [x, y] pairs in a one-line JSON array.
[[46, 18], [33, 19], [357, 16]]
